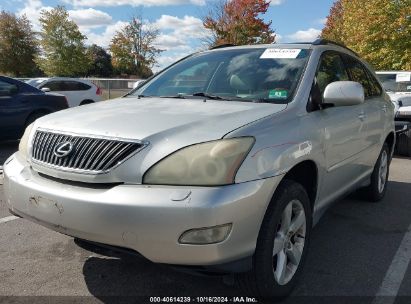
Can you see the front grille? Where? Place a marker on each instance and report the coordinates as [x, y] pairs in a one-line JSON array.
[[92, 155]]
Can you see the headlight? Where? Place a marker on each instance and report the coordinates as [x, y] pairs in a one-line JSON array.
[[207, 164], [23, 145]]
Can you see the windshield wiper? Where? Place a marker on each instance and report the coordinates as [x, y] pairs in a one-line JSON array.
[[209, 96], [140, 96], [179, 96]]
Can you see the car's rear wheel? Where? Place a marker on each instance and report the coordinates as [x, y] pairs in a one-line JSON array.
[[379, 177], [87, 101], [282, 244]]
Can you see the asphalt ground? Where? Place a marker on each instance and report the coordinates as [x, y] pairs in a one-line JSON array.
[[358, 250]]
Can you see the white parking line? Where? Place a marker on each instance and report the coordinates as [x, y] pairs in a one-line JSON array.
[[395, 274], [8, 219]]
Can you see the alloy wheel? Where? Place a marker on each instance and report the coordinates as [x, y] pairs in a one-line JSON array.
[[289, 242], [382, 172]]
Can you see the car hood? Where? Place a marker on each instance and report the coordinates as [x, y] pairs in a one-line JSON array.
[[146, 118], [166, 124]]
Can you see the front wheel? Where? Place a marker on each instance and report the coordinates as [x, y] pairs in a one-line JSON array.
[[282, 244], [379, 177]]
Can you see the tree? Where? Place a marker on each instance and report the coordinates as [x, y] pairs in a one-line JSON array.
[[100, 62], [379, 30], [237, 22], [333, 29], [63, 52], [133, 48], [18, 45]]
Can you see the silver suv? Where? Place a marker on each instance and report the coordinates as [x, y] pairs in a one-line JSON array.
[[222, 162]]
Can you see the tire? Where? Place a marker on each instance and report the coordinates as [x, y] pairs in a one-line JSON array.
[[87, 101], [379, 177], [403, 146], [266, 280]]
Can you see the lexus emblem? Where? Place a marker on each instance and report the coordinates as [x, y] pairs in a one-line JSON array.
[[63, 149]]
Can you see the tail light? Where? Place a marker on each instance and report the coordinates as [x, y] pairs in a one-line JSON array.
[[99, 91]]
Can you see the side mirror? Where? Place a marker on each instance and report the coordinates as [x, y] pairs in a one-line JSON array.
[[45, 90], [344, 93]]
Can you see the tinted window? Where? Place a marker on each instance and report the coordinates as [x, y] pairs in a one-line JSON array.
[[331, 69], [53, 85], [358, 74], [75, 86], [7, 88], [376, 89]]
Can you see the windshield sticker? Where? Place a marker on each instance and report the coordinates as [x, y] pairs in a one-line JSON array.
[[403, 77], [280, 54], [278, 94]]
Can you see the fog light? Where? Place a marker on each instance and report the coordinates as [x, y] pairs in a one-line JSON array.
[[208, 235]]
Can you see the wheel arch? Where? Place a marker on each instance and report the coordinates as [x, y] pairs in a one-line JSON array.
[[306, 174], [36, 112], [390, 140], [86, 101]]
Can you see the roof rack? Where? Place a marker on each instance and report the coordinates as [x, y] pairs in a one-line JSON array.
[[321, 41], [222, 46]]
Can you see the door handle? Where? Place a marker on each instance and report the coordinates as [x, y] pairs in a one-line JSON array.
[[384, 108], [362, 116]]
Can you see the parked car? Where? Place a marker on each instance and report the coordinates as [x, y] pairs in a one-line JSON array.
[[78, 91], [21, 104], [222, 162], [138, 82], [398, 86]]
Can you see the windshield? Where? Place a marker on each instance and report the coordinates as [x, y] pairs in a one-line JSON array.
[[390, 84], [260, 75]]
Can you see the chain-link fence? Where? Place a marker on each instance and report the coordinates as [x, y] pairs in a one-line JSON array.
[[113, 88]]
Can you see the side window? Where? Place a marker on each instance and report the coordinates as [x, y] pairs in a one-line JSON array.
[[7, 89], [376, 89], [358, 74], [82, 86], [331, 69], [75, 86], [53, 86]]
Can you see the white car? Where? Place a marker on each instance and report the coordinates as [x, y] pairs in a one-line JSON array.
[[77, 91], [397, 84], [138, 82]]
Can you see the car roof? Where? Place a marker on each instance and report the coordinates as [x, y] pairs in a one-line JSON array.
[[68, 78], [318, 43]]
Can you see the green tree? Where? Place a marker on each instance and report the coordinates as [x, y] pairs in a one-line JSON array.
[[63, 52], [238, 22], [18, 45], [133, 50], [100, 62], [333, 29], [379, 30]]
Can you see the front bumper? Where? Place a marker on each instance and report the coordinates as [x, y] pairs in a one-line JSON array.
[[402, 126], [148, 219]]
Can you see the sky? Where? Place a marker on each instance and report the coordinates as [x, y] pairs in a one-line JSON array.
[[179, 21]]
